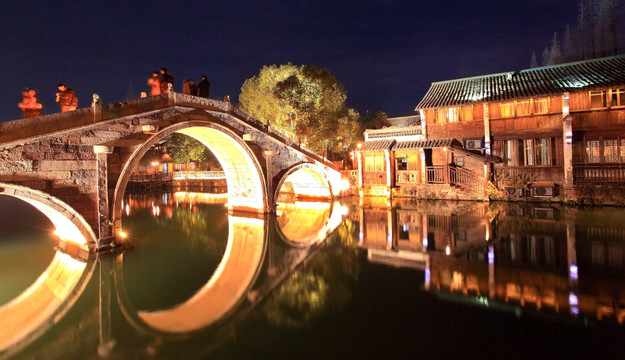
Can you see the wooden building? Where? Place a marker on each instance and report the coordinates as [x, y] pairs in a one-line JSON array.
[[558, 130], [400, 161]]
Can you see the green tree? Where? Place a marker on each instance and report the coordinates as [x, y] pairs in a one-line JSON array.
[[375, 120], [184, 149], [306, 103]]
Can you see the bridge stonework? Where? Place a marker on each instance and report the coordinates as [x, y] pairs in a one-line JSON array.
[[85, 157]]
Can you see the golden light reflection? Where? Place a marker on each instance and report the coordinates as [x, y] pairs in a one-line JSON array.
[[201, 198], [44, 302], [226, 287], [321, 218]]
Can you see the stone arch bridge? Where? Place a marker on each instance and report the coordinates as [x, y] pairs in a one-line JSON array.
[[74, 166]]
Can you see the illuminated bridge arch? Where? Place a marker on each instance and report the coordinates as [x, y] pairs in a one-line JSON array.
[[70, 226], [244, 176], [306, 181]]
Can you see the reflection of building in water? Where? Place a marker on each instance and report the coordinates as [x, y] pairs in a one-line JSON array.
[[425, 225], [541, 258], [165, 203]]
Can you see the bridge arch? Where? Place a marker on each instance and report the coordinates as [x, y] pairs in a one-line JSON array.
[[305, 181], [244, 175], [70, 226]]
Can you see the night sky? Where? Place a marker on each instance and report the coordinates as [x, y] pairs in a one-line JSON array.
[[386, 53]]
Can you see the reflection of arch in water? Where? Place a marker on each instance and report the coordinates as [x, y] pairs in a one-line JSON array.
[[246, 184], [70, 225], [44, 303], [305, 181], [235, 275], [303, 223]]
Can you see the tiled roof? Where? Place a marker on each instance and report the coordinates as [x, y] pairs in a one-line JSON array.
[[393, 131], [423, 144], [404, 121], [377, 145], [541, 81]]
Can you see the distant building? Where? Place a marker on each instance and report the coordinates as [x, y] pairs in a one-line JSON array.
[[542, 132], [555, 128]]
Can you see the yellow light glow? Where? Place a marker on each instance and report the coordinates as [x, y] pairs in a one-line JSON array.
[[154, 163], [344, 210], [343, 184], [122, 235], [447, 250]]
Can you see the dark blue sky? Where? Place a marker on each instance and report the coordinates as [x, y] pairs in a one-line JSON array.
[[386, 53]]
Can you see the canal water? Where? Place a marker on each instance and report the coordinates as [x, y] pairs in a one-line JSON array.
[[359, 278]]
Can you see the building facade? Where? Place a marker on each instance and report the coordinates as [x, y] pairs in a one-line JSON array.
[[555, 133]]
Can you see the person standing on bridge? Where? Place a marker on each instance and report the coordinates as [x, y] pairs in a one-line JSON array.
[[155, 84], [30, 105], [204, 87], [66, 98], [166, 79]]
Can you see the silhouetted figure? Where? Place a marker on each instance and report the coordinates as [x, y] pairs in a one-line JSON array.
[[166, 79], [30, 105], [193, 89], [66, 98], [204, 87], [155, 84], [189, 88]]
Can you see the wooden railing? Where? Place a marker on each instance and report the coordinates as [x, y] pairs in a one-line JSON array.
[[407, 176], [599, 173], [199, 175], [436, 174], [460, 177], [150, 177], [466, 180]]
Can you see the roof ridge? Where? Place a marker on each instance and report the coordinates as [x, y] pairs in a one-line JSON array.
[[531, 69]]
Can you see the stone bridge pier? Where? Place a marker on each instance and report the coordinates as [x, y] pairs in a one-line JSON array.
[[75, 166]]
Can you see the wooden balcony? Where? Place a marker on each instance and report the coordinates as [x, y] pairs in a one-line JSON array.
[[599, 173]]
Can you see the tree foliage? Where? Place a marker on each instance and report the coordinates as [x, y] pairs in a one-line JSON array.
[[184, 149], [305, 103], [375, 120], [596, 33]]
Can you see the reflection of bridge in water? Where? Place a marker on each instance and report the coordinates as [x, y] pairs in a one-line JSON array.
[[522, 257], [260, 254]]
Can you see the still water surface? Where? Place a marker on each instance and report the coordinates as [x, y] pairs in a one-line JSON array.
[[356, 279]]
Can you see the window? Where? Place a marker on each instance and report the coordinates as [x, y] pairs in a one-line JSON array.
[[618, 97], [466, 113], [441, 116], [508, 152], [610, 150], [507, 109], [374, 163], [452, 114], [523, 108], [597, 99], [622, 152], [401, 163], [543, 151], [527, 152], [541, 106], [592, 151]]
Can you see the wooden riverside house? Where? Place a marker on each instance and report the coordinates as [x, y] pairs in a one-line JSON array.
[[543, 132], [400, 161]]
